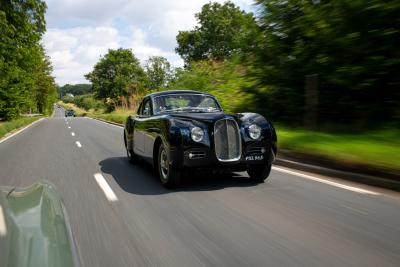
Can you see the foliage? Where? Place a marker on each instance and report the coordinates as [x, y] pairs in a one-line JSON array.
[[223, 30], [224, 79], [25, 81], [88, 102], [374, 148], [158, 71], [9, 126], [118, 115], [45, 93], [75, 89], [117, 74], [352, 45], [121, 119]]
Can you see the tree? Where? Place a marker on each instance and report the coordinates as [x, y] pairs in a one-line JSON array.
[[224, 79], [22, 25], [75, 89], [223, 30], [352, 45], [117, 74], [45, 88], [158, 71]]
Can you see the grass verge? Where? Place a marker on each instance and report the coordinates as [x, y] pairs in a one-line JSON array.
[[379, 149], [9, 126]]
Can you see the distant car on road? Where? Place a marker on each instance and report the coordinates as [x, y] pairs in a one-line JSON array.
[[69, 113], [180, 130]]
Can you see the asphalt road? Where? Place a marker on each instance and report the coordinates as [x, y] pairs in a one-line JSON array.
[[291, 220]]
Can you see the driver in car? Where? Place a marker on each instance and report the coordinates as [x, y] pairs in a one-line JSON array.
[[159, 105]]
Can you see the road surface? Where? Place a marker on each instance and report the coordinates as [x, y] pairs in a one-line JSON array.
[[121, 216]]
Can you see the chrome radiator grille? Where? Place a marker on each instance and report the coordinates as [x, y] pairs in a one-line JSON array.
[[227, 140]]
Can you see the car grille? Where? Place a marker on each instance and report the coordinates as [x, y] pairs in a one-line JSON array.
[[227, 140]]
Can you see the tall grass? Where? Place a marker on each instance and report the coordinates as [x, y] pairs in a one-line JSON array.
[[8, 126]]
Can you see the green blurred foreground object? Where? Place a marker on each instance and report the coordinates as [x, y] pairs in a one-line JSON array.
[[34, 229]]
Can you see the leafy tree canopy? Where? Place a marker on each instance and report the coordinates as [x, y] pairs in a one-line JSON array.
[[223, 30], [159, 72], [117, 74], [25, 80], [351, 45], [75, 89]]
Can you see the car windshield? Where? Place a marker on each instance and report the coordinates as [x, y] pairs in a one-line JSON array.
[[185, 103]]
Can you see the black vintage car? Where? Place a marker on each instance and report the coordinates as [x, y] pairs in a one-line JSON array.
[[181, 130]]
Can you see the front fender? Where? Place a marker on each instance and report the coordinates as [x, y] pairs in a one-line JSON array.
[[268, 130]]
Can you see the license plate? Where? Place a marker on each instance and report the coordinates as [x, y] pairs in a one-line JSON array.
[[254, 158]]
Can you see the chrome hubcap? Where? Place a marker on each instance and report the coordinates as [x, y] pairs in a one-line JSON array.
[[164, 165]]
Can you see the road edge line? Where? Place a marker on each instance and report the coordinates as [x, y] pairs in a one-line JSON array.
[[116, 124], [326, 181], [344, 175], [12, 134]]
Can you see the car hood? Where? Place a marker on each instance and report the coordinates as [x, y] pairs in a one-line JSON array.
[[34, 229]]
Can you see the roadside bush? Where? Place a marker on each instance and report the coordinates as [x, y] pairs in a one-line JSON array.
[[87, 102], [67, 99]]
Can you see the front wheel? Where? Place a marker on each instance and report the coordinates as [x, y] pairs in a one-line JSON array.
[[169, 177], [259, 173]]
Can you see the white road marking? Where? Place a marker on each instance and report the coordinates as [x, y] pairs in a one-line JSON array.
[[66, 122], [105, 122], [73, 134], [69, 127], [306, 176], [19, 131], [354, 209], [105, 187], [3, 227], [78, 144]]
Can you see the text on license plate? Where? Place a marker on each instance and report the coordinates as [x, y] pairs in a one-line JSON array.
[[255, 157]]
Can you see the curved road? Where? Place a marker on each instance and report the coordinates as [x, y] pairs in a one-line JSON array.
[[294, 219]]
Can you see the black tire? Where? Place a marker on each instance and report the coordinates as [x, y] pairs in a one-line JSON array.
[[132, 157], [169, 177], [259, 173]]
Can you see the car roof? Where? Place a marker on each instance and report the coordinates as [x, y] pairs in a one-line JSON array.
[[173, 92]]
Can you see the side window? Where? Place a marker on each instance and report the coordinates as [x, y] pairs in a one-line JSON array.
[[140, 109], [146, 109]]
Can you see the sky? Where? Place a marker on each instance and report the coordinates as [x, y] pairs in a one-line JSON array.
[[79, 32]]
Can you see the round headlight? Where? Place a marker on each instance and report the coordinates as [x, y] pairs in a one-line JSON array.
[[197, 134], [254, 131]]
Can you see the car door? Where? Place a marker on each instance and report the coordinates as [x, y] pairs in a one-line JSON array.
[[139, 130], [148, 134]]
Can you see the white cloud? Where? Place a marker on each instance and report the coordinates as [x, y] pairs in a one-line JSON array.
[[74, 51], [79, 31]]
